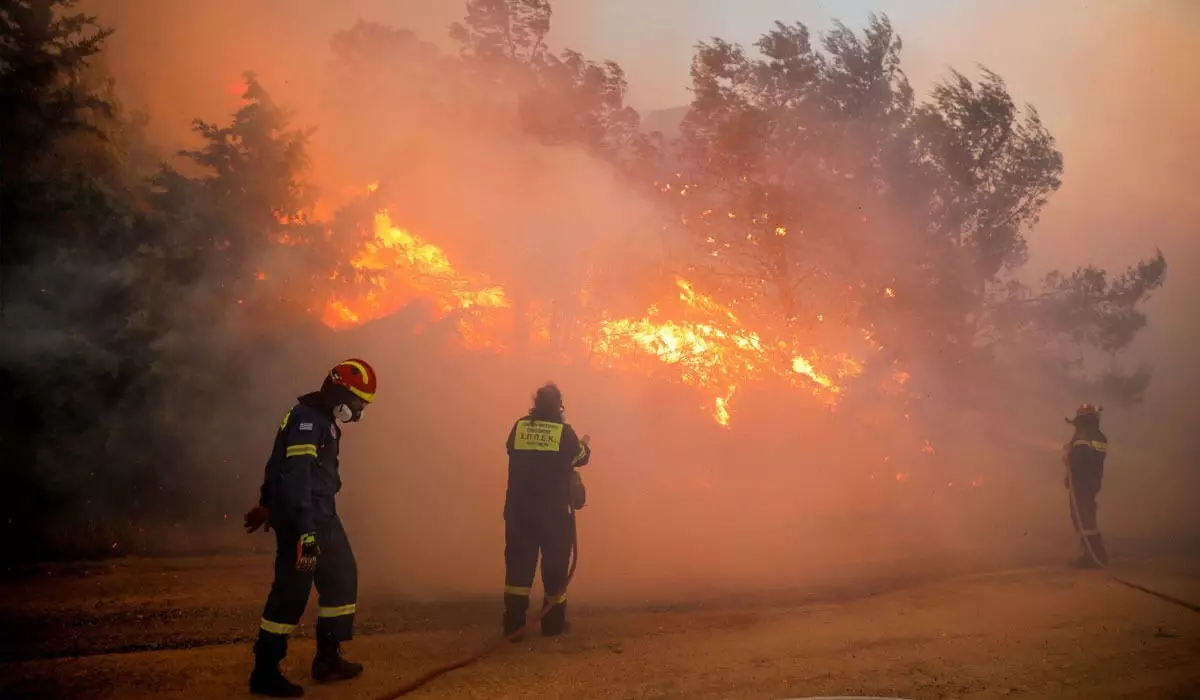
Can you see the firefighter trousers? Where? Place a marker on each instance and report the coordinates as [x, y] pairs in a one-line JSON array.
[[526, 534], [336, 578], [1084, 518]]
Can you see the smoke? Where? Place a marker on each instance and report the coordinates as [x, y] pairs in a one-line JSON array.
[[1114, 86], [1135, 190], [790, 493]]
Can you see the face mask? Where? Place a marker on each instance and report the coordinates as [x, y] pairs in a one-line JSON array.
[[344, 414]]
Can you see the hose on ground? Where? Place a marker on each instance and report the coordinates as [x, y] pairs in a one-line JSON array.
[[435, 673], [551, 601], [1075, 520]]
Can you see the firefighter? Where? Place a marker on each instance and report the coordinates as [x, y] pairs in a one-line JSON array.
[[297, 500], [1084, 460], [539, 509]]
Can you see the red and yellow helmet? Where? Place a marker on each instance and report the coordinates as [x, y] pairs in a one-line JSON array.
[[357, 376], [1087, 409]]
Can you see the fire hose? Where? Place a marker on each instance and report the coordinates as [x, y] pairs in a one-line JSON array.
[[1078, 525], [551, 601]]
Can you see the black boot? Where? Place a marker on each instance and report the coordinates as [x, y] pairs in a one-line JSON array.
[[266, 679], [554, 622], [1084, 560], [565, 628], [330, 665], [514, 622], [1097, 551]]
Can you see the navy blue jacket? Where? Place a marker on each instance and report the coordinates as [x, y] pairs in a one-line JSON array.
[[1086, 456], [541, 458], [301, 477]]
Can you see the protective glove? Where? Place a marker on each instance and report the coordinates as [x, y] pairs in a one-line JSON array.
[[306, 552], [257, 517]]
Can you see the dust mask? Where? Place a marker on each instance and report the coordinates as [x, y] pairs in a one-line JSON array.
[[343, 414]]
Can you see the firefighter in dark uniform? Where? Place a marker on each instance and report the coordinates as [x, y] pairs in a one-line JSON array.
[[297, 500], [1084, 459], [543, 493]]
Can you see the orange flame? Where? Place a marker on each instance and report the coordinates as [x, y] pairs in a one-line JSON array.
[[404, 268], [715, 354], [700, 343]]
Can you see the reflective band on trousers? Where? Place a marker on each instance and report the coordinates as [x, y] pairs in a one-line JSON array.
[[558, 599], [336, 610], [1094, 444], [516, 590], [276, 627]]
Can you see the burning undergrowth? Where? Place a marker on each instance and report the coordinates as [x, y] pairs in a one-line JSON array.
[[684, 336]]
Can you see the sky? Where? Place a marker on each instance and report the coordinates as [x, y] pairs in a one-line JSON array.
[[660, 36], [654, 40]]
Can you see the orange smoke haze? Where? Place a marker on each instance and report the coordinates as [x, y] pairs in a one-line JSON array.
[[728, 453], [1118, 89]]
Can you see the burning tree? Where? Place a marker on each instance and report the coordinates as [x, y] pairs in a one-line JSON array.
[[828, 232], [850, 225], [812, 177]]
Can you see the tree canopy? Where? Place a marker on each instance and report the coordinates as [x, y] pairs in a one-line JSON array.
[[815, 170]]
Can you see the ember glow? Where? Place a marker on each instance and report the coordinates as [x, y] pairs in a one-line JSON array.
[[398, 268], [686, 337], [703, 344]]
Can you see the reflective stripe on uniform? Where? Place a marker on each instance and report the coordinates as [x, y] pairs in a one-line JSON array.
[[276, 627], [558, 599], [1094, 444], [516, 590], [301, 450], [336, 610], [579, 457]]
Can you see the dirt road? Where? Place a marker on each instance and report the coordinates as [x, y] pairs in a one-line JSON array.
[[182, 629]]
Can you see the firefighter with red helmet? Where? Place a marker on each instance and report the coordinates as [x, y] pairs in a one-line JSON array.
[[297, 500], [540, 501], [1084, 457]]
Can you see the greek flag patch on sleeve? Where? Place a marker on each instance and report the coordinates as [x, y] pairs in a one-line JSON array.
[[304, 427]]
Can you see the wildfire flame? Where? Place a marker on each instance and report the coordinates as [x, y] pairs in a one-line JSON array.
[[399, 268], [698, 341], [715, 354]]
